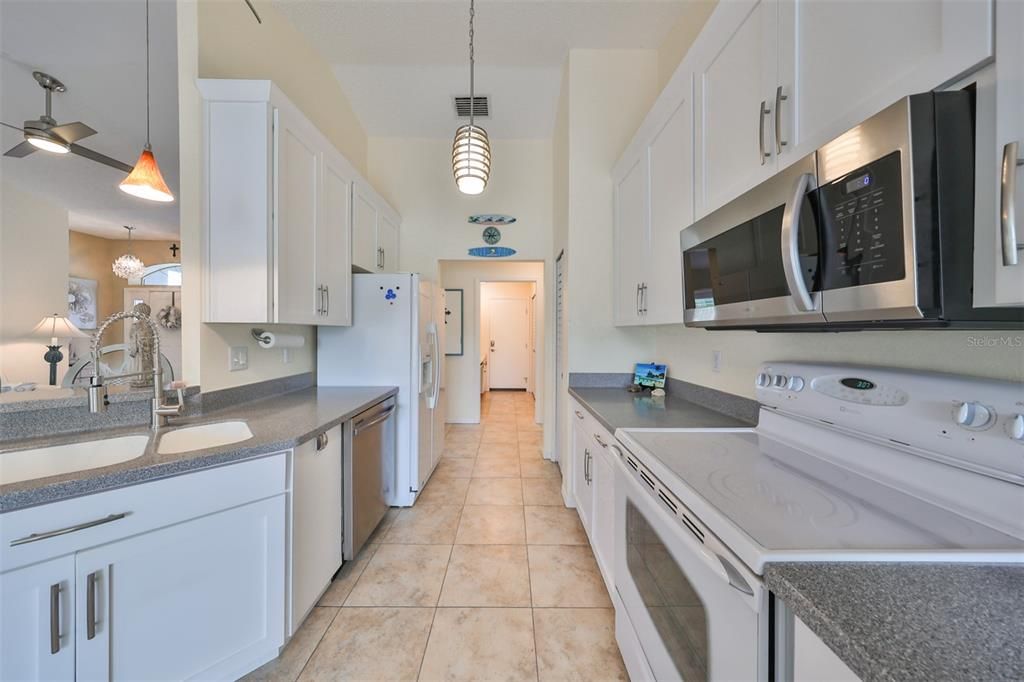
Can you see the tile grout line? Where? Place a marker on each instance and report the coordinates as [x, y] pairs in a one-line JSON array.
[[312, 653]]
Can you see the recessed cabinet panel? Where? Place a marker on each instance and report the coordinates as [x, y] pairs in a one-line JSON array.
[[333, 244], [632, 242], [365, 255], [38, 621], [583, 451]]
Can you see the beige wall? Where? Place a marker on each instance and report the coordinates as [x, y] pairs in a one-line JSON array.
[[681, 36], [462, 372], [233, 45], [33, 279]]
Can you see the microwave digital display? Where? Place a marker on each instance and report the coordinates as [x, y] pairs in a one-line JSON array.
[[857, 384], [859, 182]]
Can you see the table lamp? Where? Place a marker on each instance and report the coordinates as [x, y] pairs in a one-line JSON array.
[[56, 327]]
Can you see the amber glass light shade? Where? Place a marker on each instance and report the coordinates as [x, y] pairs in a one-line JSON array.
[[145, 181]]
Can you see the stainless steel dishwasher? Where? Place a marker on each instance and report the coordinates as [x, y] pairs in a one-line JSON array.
[[369, 473]]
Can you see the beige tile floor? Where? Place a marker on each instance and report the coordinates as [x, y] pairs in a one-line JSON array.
[[488, 577]]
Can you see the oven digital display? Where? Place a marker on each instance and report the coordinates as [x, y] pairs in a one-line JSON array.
[[859, 182], [857, 384]]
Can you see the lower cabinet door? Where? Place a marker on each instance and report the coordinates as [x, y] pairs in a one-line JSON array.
[[37, 638], [602, 536], [583, 452], [203, 598]]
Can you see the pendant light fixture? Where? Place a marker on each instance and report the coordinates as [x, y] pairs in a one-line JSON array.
[[128, 265], [145, 181], [471, 151]]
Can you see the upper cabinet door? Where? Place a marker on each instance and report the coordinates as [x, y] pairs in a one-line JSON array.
[[735, 85], [333, 245], [365, 255], [298, 161], [387, 242], [671, 159], [843, 61], [632, 242]]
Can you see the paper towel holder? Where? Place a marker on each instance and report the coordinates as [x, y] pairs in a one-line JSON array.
[[260, 335]]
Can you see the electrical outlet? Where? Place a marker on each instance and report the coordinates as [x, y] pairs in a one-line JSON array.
[[238, 358], [287, 356], [716, 361]]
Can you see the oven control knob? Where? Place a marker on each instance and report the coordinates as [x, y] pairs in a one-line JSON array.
[[795, 384], [780, 380], [764, 379], [1017, 428], [973, 415]]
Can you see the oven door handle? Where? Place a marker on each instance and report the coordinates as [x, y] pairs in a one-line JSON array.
[[791, 243]]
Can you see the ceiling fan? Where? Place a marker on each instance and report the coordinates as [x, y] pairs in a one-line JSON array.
[[44, 133]]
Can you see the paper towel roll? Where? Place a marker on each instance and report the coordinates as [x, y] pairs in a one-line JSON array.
[[271, 340]]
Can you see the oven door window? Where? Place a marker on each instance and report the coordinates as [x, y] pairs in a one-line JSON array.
[[744, 263], [671, 601]]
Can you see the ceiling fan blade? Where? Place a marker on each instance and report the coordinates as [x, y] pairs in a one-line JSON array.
[[99, 158], [21, 130], [20, 150], [73, 132]]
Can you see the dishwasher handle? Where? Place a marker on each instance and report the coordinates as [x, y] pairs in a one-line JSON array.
[[365, 424]]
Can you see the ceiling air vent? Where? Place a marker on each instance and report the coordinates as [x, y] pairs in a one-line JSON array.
[[481, 107]]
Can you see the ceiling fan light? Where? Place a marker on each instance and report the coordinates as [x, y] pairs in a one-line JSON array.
[[46, 144], [145, 181]]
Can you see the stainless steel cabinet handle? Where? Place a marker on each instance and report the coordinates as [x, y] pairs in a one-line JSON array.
[[55, 618], [586, 466], [319, 300], [643, 298], [637, 298], [35, 537], [90, 604], [321, 441], [791, 244], [599, 441], [1007, 209], [762, 111], [373, 422], [779, 99], [579, 415], [327, 300]]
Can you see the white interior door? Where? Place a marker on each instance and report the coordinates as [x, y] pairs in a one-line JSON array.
[[510, 343]]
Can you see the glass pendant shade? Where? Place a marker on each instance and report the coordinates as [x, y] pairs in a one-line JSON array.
[[128, 266], [145, 181], [471, 159]]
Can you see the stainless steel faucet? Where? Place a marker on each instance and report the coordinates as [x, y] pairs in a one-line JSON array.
[[98, 400]]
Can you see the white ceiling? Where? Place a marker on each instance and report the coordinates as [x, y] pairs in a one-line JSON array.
[[97, 48], [401, 61]]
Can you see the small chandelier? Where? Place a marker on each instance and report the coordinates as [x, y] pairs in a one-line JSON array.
[[128, 265], [471, 151]]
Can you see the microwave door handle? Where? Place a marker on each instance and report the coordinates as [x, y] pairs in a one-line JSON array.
[[791, 244], [1007, 210]]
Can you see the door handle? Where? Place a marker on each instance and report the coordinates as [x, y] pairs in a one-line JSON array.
[[762, 111], [319, 299], [779, 99], [637, 298], [36, 537], [1007, 207], [586, 466], [90, 604], [321, 441], [643, 298], [791, 244], [600, 441], [363, 425], [327, 300], [579, 415], [55, 618]]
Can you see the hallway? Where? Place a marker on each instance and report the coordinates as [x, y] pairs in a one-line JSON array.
[[487, 577]]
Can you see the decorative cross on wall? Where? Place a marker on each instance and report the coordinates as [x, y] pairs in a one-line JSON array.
[[174, 249]]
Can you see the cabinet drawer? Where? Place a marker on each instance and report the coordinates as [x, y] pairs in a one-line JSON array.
[[145, 507]]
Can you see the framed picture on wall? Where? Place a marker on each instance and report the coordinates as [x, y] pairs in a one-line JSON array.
[[82, 302], [453, 321]]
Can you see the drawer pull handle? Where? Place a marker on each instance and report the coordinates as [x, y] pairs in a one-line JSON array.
[[35, 537], [579, 415], [600, 441]]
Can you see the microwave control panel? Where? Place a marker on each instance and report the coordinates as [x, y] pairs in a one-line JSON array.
[[863, 225]]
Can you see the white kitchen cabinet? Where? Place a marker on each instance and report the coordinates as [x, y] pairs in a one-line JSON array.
[[375, 232], [814, 661], [834, 77], [201, 598], [316, 521], [631, 240], [37, 640], [999, 193], [582, 452], [334, 242], [277, 218], [602, 535], [735, 75]]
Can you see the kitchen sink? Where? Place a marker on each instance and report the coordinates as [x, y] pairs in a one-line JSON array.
[[204, 436], [24, 465]]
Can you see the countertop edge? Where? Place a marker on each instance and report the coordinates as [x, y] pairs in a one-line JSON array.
[[202, 459], [575, 394]]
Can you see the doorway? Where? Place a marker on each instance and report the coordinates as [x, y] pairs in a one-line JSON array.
[[506, 323]]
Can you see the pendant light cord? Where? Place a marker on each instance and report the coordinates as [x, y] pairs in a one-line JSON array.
[[147, 80], [472, 64]]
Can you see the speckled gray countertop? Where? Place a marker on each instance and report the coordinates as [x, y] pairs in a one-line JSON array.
[[278, 423], [911, 621], [617, 408]]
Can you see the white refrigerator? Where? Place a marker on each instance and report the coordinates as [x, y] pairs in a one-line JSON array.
[[395, 340]]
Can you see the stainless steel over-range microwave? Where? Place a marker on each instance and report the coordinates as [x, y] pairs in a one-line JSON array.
[[874, 229]]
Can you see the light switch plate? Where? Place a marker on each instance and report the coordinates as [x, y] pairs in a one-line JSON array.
[[238, 358]]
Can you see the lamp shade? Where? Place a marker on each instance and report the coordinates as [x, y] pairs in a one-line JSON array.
[[145, 181], [55, 327], [471, 159]]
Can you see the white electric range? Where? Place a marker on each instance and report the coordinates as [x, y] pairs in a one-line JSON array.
[[846, 464]]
